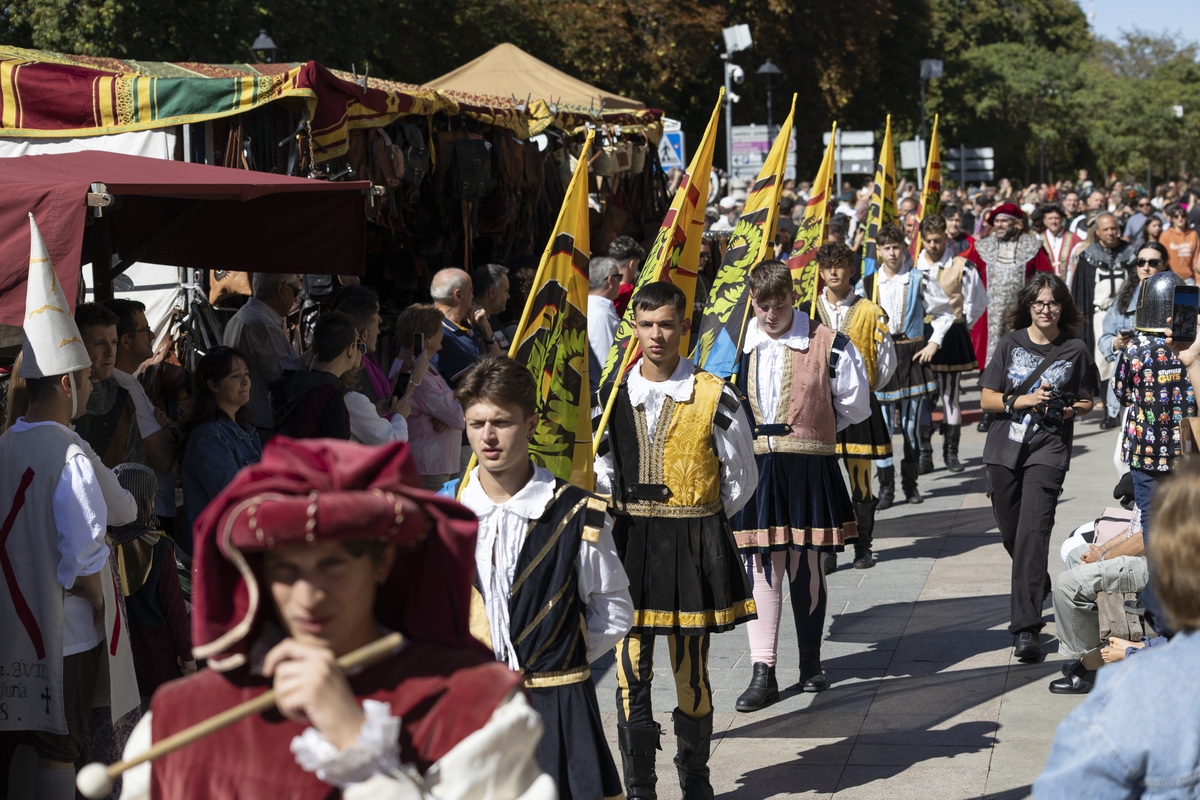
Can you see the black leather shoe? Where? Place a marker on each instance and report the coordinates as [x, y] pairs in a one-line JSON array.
[[762, 691], [812, 677], [1071, 666], [829, 563], [864, 560], [1027, 648], [1080, 681], [913, 497], [1107, 424]]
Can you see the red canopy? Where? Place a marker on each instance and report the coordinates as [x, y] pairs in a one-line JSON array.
[[171, 212]]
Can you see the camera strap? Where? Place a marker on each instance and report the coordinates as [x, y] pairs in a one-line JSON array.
[[1032, 379]]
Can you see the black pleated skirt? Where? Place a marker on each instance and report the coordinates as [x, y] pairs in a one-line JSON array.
[[573, 749], [685, 575], [957, 354], [866, 439], [801, 502], [911, 378]]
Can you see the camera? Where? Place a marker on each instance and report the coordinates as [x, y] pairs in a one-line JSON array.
[[1051, 413]]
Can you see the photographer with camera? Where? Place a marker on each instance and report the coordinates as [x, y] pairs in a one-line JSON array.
[[1038, 381]]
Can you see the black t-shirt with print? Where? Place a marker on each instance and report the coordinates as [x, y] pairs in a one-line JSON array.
[[1016, 357]]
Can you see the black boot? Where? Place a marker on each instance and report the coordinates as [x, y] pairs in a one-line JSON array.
[[908, 482], [637, 744], [925, 465], [985, 422], [829, 563], [951, 435], [864, 558], [694, 740], [812, 677], [762, 691], [887, 488]]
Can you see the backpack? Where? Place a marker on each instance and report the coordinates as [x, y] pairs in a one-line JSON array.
[[469, 175]]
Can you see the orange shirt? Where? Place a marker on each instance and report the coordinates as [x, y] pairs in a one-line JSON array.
[[1184, 249]]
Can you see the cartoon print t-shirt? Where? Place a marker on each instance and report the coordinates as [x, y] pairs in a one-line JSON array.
[[1023, 441], [1154, 384]]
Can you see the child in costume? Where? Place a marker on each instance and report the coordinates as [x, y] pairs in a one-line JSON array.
[[555, 593], [906, 296], [802, 382], [677, 457], [861, 443]]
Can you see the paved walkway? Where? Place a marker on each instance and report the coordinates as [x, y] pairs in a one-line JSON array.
[[926, 700]]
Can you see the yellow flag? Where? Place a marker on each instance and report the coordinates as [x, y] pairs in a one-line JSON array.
[[931, 193], [675, 254], [551, 340], [883, 201], [811, 232], [723, 325]]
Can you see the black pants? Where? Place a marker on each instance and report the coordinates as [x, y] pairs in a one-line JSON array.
[[1023, 501]]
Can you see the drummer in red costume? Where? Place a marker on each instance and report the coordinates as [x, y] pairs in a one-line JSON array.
[[319, 549]]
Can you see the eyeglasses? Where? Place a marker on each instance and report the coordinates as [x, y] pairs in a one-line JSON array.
[[1037, 305], [1144, 204], [139, 330], [1148, 262]]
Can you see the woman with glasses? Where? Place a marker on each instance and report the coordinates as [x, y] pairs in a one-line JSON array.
[[1182, 243], [1117, 331], [1144, 211], [1038, 381]]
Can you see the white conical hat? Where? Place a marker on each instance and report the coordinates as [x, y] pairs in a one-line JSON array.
[[53, 345]]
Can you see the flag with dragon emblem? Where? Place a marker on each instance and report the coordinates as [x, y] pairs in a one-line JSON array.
[[675, 254], [883, 201], [811, 233], [551, 340], [723, 324], [931, 193]]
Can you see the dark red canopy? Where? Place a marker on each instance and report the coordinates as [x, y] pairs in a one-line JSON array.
[[171, 212]]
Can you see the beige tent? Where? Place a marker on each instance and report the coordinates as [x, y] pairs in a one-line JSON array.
[[508, 71]]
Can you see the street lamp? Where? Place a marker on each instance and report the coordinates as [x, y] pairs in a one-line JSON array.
[[265, 46], [737, 38], [770, 70]]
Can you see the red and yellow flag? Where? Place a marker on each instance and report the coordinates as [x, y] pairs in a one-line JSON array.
[[675, 254], [551, 340], [883, 201], [931, 192], [811, 233], [723, 325]]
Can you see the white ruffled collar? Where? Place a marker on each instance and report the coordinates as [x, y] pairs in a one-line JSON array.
[[529, 503], [678, 387], [796, 337]]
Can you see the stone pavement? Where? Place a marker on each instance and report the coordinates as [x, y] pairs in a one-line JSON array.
[[926, 700]]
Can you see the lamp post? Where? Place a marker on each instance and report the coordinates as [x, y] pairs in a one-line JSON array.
[[737, 38], [265, 46], [770, 70], [931, 68]]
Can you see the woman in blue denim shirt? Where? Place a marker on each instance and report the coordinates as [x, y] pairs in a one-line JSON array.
[[1119, 317], [1138, 732], [218, 442]]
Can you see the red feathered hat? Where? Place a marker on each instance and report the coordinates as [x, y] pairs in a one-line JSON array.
[[1005, 210], [330, 490]]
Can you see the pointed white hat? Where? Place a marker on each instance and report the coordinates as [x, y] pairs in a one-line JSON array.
[[53, 345]]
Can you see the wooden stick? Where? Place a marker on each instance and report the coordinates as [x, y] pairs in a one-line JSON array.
[[365, 655]]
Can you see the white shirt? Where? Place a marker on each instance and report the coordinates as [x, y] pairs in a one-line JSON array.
[[885, 348], [603, 584], [602, 321], [973, 291], [849, 386], [147, 424], [735, 446], [893, 297], [368, 427]]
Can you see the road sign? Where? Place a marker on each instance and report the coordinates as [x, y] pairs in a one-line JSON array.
[[672, 151], [852, 138], [912, 154], [970, 164], [750, 145]]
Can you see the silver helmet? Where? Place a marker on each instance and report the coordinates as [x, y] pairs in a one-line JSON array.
[[1156, 298]]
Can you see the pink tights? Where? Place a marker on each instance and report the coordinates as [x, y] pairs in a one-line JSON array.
[[764, 631]]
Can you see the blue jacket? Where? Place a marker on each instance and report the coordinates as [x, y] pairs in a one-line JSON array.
[[215, 452], [1137, 734]]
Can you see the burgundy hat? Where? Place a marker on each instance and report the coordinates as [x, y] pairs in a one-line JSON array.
[[1005, 210], [329, 490]]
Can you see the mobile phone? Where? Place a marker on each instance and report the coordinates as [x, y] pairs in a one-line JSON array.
[[401, 387], [1126, 332], [418, 345], [1183, 315]]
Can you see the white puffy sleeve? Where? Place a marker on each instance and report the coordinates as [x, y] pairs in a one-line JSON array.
[[735, 451]]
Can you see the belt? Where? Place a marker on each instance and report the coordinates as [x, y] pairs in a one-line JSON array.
[[899, 337]]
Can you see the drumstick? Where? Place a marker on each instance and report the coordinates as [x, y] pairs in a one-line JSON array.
[[96, 780]]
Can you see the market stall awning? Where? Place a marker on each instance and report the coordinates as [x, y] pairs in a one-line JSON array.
[[170, 212]]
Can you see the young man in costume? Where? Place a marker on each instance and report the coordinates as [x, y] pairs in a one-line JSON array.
[[555, 592], [802, 382], [677, 457], [906, 296], [860, 443], [322, 547], [960, 282], [58, 600]]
